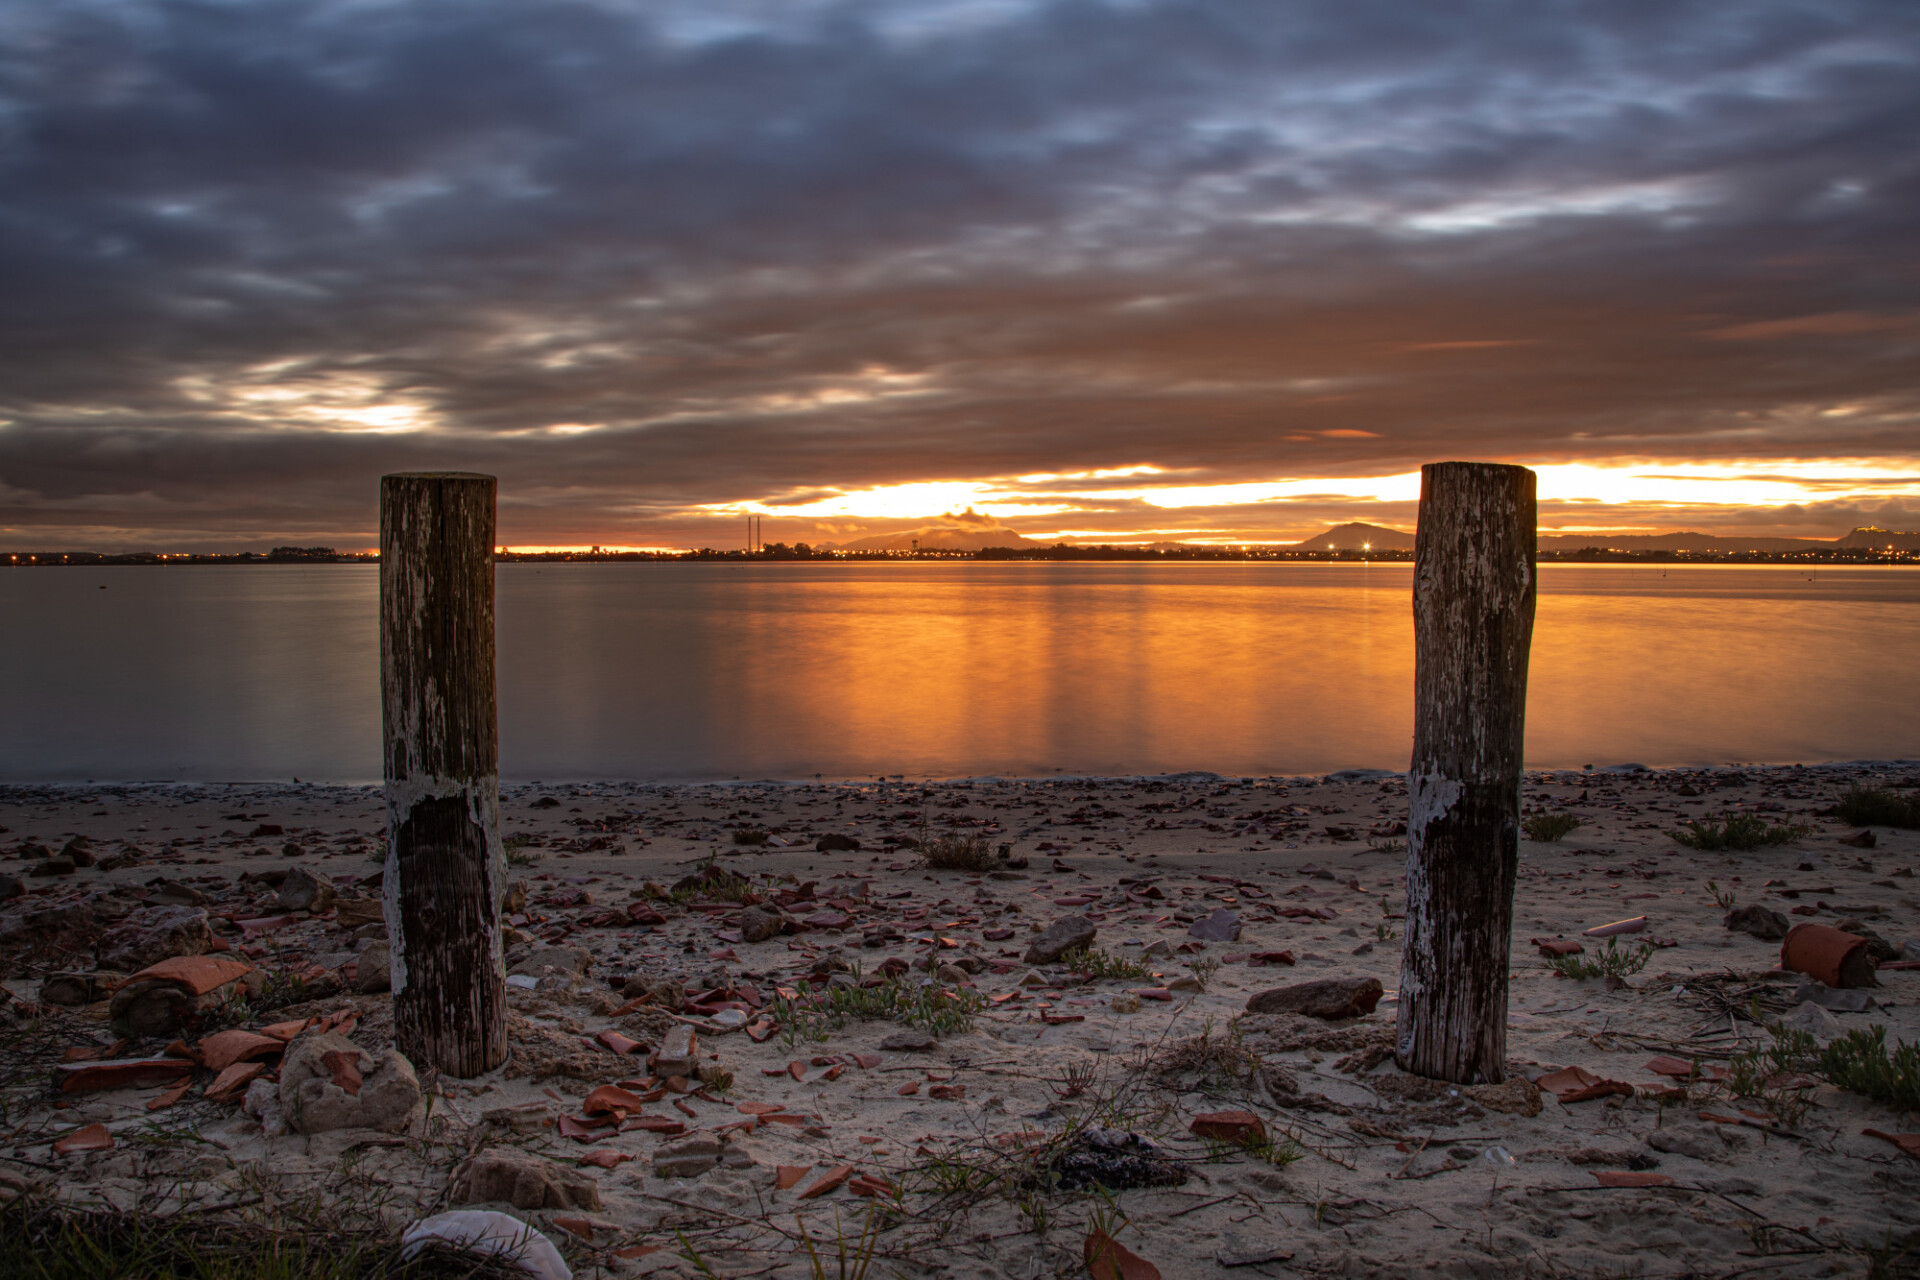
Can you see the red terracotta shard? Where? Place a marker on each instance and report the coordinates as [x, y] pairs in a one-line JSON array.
[[344, 1067], [621, 1044], [947, 1092], [167, 1097], [869, 1185], [1108, 1259], [1242, 1128], [611, 1099], [232, 1083], [605, 1159], [92, 1138], [198, 974], [1260, 958], [1907, 1142], [286, 1030], [1828, 955], [122, 1073], [827, 1181], [1630, 1178], [788, 1176], [1558, 946], [1577, 1084], [759, 1108], [224, 1048], [661, 1125]]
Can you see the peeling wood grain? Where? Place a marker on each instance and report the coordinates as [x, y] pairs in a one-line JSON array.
[[446, 867], [1473, 605]]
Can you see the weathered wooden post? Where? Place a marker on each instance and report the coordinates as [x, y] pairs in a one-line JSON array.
[[1473, 599], [446, 868]]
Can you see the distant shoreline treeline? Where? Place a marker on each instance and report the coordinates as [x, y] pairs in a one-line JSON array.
[[1060, 552]]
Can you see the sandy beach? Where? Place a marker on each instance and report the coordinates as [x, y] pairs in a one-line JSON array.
[[945, 1138]]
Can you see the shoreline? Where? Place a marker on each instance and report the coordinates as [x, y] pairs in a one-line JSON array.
[[1393, 1175]]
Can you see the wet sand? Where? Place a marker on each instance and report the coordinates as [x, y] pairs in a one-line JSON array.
[[1394, 1175]]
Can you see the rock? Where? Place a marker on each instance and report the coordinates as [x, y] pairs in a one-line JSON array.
[[1184, 985], [1516, 1097], [1813, 1020], [1768, 926], [1070, 934], [388, 1098], [52, 867], [171, 893], [679, 1053], [29, 934], [523, 1180], [1160, 950], [1834, 998], [667, 993], [1877, 947], [1238, 1251], [757, 924], [952, 974], [181, 994], [523, 1117], [305, 890], [1125, 1002], [1688, 1140], [909, 1042], [262, 1102], [511, 1245], [1034, 978], [834, 842], [79, 851], [688, 1158], [152, 934], [1241, 1128], [1221, 926], [1326, 998], [543, 962], [358, 913], [372, 969], [72, 990], [11, 887]]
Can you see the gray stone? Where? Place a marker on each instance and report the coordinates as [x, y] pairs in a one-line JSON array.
[[909, 1042], [72, 990], [372, 969], [305, 890], [688, 1158], [679, 1053], [757, 924], [1062, 936], [543, 962], [52, 867], [1835, 998], [523, 1180], [1768, 926], [1692, 1140], [79, 851], [11, 887], [388, 1099], [524, 1117], [952, 973], [153, 934], [1327, 998], [1221, 926], [1238, 1251], [1161, 949]]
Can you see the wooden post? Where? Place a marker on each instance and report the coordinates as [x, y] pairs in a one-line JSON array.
[[1473, 598], [446, 868]]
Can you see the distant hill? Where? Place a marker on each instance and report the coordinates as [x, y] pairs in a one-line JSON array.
[[942, 537], [1352, 537], [1875, 538], [1860, 538]]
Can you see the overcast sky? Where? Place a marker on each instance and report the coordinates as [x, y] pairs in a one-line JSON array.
[[1077, 266]]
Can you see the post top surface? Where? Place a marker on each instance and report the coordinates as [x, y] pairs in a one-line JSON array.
[[437, 475]]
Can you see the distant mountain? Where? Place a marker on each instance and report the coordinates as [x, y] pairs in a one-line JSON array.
[[1352, 537], [942, 537], [1878, 539]]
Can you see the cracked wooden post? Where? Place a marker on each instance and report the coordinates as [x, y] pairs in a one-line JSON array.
[[1473, 598], [446, 868]]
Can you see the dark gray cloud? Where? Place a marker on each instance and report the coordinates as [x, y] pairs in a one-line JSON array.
[[761, 250]]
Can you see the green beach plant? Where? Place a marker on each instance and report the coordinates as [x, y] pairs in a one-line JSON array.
[[1877, 807], [1544, 827], [1738, 831], [1611, 963]]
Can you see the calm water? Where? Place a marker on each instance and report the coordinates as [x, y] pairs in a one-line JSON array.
[[704, 671]]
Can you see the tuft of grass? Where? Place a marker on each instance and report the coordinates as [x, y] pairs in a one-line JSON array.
[[815, 1013], [1861, 1062], [1724, 898], [1204, 969], [1877, 807], [1611, 963], [1548, 826], [48, 1241], [751, 835], [851, 1259], [951, 852], [516, 847], [1096, 963], [1742, 831]]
